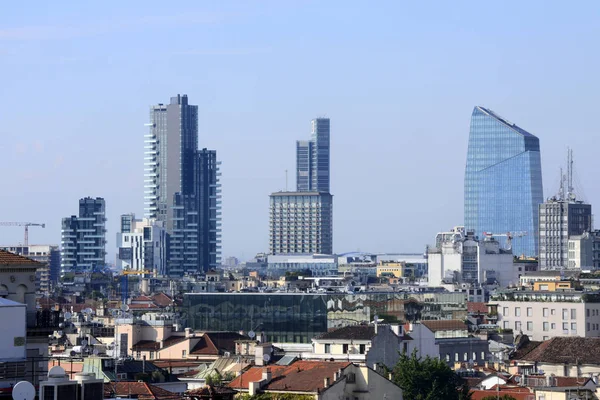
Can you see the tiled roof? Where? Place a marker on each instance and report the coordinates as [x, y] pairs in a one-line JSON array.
[[142, 298], [351, 332], [150, 345], [525, 349], [301, 376], [14, 260], [162, 300], [142, 306], [560, 350], [444, 325], [215, 343], [477, 307], [516, 393], [139, 390]]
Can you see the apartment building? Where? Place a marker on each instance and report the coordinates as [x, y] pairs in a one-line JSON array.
[[543, 315]]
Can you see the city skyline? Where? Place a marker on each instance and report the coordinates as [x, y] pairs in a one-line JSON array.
[[381, 82]]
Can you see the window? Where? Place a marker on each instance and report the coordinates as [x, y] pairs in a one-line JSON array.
[[529, 312], [565, 313], [482, 356], [574, 326], [327, 348], [553, 312], [345, 349], [466, 357], [152, 355], [529, 326], [546, 326], [587, 312], [517, 326], [553, 326], [565, 326], [362, 348], [573, 313], [506, 325], [588, 327], [183, 353], [474, 356], [545, 312], [505, 311], [448, 357], [455, 356], [517, 311]]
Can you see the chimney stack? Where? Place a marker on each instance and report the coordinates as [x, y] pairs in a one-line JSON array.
[[266, 375]]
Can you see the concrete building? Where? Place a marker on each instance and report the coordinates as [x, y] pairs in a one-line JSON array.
[[142, 245], [196, 239], [545, 314], [301, 223], [460, 257], [561, 220], [17, 284], [448, 340], [317, 264], [371, 345], [47, 255], [83, 237], [169, 156]]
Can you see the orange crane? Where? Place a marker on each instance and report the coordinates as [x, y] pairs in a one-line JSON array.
[[26, 225]]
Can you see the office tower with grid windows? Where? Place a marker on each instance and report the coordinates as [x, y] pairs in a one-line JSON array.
[[196, 240], [503, 180], [83, 237], [313, 159], [170, 147], [301, 223]]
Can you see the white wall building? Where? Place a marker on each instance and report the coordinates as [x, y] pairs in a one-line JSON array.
[[12, 335], [142, 245], [544, 315], [461, 257]]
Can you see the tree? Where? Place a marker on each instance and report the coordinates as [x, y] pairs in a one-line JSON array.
[[428, 379]]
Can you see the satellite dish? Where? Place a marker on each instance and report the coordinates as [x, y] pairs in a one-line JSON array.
[[72, 353], [56, 372], [251, 334], [267, 358], [23, 391], [114, 313], [124, 307], [95, 352], [68, 315], [84, 343]]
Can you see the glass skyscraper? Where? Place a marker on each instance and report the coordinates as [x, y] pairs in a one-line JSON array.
[[170, 147], [312, 159], [503, 180]]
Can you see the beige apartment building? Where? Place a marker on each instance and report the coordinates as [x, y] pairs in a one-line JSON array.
[[544, 315]]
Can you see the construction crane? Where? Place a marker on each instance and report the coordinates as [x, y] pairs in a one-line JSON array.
[[508, 235], [26, 225]]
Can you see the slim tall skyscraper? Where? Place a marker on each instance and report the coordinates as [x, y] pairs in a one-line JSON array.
[[196, 239], [313, 159], [83, 240], [503, 180], [169, 156]]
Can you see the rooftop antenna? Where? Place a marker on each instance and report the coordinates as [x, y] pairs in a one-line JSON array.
[[570, 188], [286, 180]]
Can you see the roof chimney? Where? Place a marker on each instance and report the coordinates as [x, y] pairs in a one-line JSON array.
[[266, 375]]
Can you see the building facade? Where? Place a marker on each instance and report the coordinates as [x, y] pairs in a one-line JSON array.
[[313, 159], [83, 237], [170, 147], [195, 244], [48, 256], [301, 223], [503, 180], [460, 257], [142, 245], [561, 220], [545, 314]]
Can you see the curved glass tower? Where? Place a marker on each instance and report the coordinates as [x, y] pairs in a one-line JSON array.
[[503, 180]]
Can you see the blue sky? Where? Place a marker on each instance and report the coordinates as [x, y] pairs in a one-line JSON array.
[[398, 80]]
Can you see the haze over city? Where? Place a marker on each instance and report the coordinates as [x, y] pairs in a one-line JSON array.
[[398, 81]]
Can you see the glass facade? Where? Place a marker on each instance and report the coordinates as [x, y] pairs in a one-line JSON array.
[[196, 240], [313, 159], [298, 317], [503, 180]]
